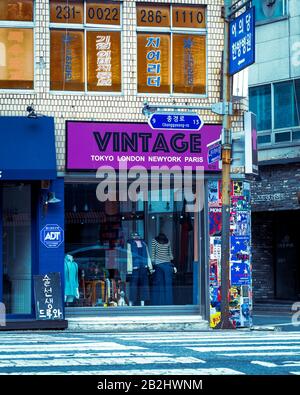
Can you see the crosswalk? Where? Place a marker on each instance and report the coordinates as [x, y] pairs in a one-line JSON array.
[[151, 353]]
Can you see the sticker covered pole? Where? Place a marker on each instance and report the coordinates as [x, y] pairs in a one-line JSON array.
[[225, 322]]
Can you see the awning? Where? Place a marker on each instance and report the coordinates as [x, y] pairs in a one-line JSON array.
[[27, 148]]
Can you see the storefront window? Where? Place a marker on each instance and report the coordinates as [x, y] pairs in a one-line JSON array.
[[16, 44], [125, 252], [82, 57], [16, 248], [171, 52]]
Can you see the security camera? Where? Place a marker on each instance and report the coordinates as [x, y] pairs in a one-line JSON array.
[[31, 112]]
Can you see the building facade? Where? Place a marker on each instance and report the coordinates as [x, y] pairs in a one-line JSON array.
[[274, 95], [89, 66]]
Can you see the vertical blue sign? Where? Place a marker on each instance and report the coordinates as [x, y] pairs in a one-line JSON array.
[[242, 41]]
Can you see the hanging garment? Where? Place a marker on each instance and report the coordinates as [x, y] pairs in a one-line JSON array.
[[162, 285], [71, 279]]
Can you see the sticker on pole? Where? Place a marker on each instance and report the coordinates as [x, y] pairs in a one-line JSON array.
[[52, 236]]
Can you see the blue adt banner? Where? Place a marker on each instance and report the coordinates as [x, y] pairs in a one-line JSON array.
[[242, 41]]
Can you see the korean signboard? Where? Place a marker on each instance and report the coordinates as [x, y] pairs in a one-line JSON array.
[[242, 41], [91, 145], [48, 297], [171, 61]]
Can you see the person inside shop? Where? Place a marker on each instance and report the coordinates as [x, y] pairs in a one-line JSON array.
[[71, 279], [162, 279], [139, 266]]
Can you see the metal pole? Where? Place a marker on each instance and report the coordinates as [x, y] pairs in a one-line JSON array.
[[226, 184]]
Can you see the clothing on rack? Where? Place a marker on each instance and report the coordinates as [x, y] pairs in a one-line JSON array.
[[71, 279]]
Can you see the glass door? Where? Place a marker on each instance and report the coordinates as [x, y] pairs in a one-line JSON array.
[[16, 247]]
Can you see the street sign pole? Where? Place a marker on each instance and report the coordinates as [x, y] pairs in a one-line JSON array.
[[225, 322]]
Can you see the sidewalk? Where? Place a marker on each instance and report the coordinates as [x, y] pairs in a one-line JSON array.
[[138, 323], [280, 321]]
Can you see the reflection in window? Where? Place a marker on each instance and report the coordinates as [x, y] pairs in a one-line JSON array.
[[97, 237], [67, 64], [286, 104], [16, 58], [16, 44], [260, 104], [269, 10], [16, 251]]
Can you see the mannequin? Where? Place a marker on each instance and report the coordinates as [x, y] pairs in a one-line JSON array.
[[162, 287], [71, 279], [138, 266]]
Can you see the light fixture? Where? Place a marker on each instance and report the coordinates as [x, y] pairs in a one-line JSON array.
[[52, 199]]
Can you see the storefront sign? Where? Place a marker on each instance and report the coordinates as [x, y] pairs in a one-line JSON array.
[[91, 145], [48, 297], [52, 236]]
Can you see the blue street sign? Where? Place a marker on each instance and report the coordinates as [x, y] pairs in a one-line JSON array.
[[179, 121], [242, 41], [214, 153], [52, 236]]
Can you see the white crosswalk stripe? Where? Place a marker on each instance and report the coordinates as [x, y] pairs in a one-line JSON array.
[[149, 353], [143, 372]]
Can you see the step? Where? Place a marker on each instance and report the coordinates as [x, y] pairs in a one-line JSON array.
[[22, 325], [137, 324]]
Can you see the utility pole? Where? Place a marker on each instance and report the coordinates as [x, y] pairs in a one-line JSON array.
[[225, 322]]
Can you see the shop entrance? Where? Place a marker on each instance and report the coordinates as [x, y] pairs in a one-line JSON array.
[[16, 247], [286, 247], [97, 239]]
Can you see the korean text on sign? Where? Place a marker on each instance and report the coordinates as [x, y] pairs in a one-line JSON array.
[[242, 41]]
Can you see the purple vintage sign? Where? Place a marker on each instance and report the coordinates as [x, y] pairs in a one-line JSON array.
[[94, 144]]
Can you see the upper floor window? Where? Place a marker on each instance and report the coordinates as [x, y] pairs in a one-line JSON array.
[[260, 104], [277, 108], [85, 45], [16, 44], [268, 10], [171, 43], [287, 104]]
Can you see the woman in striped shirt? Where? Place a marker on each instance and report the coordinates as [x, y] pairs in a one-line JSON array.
[[162, 287]]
